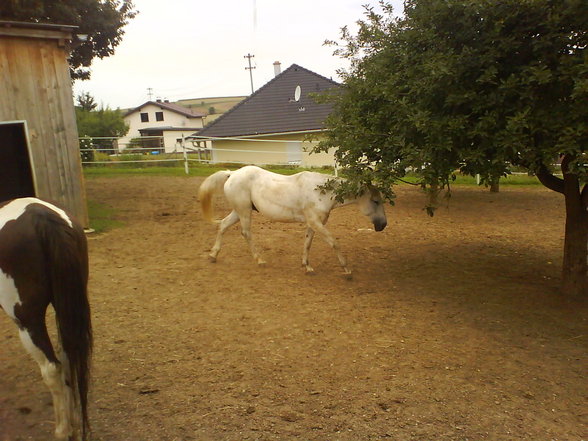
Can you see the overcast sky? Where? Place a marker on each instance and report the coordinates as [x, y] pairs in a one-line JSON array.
[[192, 49]]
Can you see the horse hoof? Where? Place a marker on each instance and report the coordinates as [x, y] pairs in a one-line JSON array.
[[212, 259], [65, 437], [309, 272], [261, 263], [348, 276]]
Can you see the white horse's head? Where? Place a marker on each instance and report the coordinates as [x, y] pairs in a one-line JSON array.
[[371, 205]]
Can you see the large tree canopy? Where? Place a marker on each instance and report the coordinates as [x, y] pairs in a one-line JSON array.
[[476, 86], [101, 20]]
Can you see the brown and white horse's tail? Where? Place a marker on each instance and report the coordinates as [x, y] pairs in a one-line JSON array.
[[65, 249], [212, 185]]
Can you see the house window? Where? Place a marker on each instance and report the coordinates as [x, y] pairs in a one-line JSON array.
[[159, 116], [144, 117]]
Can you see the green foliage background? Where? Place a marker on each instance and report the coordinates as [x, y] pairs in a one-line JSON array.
[[101, 122], [101, 20], [475, 86]]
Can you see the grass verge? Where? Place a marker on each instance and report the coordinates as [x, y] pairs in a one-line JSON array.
[[102, 217], [194, 170]]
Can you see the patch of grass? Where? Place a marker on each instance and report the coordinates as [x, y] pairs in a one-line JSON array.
[[115, 170], [197, 169], [102, 217], [508, 180], [522, 179]]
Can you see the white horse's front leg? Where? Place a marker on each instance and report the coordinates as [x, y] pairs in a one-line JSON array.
[[307, 243], [231, 219], [320, 228]]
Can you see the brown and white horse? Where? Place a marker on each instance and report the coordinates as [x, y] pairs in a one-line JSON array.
[[44, 260], [294, 198]]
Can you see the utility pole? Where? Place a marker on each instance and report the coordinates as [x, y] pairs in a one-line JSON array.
[[150, 93], [250, 69]]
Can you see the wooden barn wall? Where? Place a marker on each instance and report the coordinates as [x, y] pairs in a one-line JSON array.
[[35, 86]]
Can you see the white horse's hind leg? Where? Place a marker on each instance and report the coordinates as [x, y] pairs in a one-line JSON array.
[[52, 373], [62, 400], [231, 219], [307, 243]]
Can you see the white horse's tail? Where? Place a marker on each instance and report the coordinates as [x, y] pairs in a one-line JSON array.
[[211, 185]]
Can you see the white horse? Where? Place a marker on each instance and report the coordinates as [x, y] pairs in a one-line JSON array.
[[295, 198]]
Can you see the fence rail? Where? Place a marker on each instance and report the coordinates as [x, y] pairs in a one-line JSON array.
[[141, 150], [106, 151]]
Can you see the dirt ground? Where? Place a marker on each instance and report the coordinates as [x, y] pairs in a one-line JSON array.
[[451, 328]]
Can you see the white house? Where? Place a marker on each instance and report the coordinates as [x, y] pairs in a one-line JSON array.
[[161, 118]]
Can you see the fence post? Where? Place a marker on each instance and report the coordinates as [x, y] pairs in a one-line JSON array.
[[186, 169]]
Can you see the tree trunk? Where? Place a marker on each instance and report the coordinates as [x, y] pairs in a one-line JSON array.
[[495, 185], [574, 283], [574, 277]]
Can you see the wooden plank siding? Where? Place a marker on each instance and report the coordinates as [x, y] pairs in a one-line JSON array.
[[35, 86]]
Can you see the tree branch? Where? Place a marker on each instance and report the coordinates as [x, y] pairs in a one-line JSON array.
[[549, 180], [584, 196]]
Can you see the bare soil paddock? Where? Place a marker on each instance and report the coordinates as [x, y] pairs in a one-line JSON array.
[[451, 329]]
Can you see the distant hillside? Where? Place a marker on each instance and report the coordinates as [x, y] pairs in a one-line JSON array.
[[212, 105]]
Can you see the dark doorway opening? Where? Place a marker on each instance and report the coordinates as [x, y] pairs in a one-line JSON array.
[[16, 175]]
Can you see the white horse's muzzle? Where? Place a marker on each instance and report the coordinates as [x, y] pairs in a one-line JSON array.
[[380, 224]]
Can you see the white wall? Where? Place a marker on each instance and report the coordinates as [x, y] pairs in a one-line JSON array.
[[170, 119], [282, 149]]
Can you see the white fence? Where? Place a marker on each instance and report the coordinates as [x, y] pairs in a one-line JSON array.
[[113, 147], [108, 151]]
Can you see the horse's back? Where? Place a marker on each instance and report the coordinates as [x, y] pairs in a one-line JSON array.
[[253, 175], [19, 242], [28, 226], [24, 209], [279, 197]]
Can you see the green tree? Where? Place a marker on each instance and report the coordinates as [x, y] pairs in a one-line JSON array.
[[475, 86], [103, 122], [86, 102], [101, 20]]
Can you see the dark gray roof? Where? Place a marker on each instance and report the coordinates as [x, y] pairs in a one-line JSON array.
[[273, 108]]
